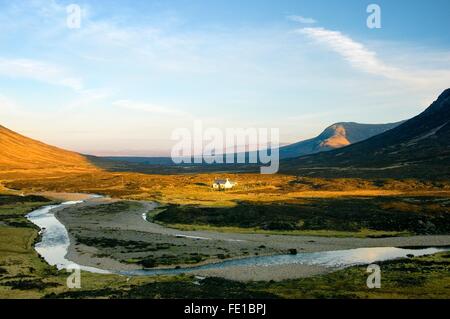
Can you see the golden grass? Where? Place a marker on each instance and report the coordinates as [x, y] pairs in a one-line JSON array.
[[196, 189], [20, 152], [16, 240]]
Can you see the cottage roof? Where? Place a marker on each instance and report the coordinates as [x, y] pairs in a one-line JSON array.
[[220, 181]]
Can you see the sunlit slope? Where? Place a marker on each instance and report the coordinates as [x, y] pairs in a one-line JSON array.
[[20, 152], [420, 147], [336, 136]]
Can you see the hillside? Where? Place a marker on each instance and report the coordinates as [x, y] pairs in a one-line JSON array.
[[419, 147], [335, 136], [20, 152]]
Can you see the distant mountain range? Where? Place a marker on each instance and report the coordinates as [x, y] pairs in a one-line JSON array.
[[20, 152], [335, 136], [419, 147]]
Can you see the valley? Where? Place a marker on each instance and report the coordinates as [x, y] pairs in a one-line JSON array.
[[23, 274], [167, 234]]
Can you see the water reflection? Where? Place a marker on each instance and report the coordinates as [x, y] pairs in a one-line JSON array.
[[334, 259], [55, 242]]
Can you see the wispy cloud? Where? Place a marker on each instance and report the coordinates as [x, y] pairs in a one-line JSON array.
[[355, 53], [362, 58], [39, 71], [301, 19], [214, 71], [88, 98], [148, 108]]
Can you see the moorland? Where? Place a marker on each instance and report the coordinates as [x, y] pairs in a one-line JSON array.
[[390, 190]]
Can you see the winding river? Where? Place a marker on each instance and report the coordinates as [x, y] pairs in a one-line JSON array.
[[55, 238], [55, 242]]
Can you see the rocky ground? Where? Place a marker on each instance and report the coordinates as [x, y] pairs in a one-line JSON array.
[[114, 235]]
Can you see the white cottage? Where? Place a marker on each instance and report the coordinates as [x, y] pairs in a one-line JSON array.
[[222, 184]]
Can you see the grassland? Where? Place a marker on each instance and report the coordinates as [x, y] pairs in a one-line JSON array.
[[425, 277], [273, 204], [23, 274], [347, 216], [419, 277], [363, 233], [112, 235], [20, 152], [196, 189]]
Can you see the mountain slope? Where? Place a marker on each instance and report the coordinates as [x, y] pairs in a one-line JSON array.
[[414, 148], [335, 136], [20, 152]]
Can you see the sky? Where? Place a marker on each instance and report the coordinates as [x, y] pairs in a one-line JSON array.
[[136, 70]]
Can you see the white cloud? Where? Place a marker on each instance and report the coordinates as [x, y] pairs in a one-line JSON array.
[[148, 108], [300, 19], [366, 60], [353, 52], [88, 98], [39, 71], [216, 71]]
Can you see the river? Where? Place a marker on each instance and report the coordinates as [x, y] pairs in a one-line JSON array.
[[55, 242]]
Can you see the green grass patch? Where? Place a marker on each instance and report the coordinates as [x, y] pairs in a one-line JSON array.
[[349, 217], [364, 233], [426, 277]]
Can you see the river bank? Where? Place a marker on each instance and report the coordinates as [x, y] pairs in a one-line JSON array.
[[24, 275], [103, 237]]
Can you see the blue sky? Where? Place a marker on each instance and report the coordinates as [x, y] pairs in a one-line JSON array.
[[137, 70]]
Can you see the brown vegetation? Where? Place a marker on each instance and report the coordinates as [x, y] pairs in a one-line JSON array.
[[196, 189], [19, 152]]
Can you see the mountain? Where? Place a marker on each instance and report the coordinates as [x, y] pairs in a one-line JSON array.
[[335, 136], [420, 147], [20, 152]]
